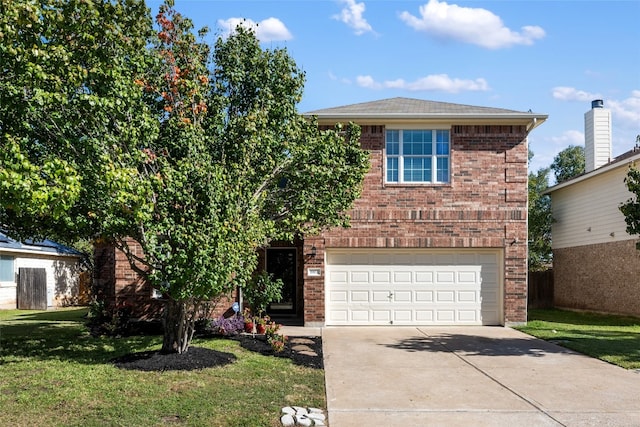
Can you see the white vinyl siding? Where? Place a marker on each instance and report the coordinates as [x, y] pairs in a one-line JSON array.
[[586, 212], [62, 278]]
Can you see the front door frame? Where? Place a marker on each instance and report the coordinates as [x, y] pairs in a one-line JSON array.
[[293, 286]]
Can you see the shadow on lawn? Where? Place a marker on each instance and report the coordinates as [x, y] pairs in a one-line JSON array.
[[63, 335], [471, 345]]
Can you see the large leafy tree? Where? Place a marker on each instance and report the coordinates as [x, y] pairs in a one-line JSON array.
[[540, 220], [199, 156], [568, 163], [631, 208]]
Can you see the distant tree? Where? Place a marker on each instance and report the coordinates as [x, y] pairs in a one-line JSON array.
[[568, 163], [540, 220], [631, 208]]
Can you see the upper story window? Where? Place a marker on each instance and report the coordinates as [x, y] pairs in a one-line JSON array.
[[6, 269], [417, 156]]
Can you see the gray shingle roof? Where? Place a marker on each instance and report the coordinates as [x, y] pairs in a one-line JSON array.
[[409, 107]]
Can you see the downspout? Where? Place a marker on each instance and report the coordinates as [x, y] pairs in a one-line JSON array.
[[532, 125]]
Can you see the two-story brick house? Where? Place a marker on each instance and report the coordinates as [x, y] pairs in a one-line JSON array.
[[439, 235]]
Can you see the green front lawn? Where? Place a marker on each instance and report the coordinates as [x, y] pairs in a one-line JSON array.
[[614, 339], [52, 372]]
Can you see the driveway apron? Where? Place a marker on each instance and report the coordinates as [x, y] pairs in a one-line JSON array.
[[469, 376]]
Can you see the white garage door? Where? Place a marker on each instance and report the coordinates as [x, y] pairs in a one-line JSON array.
[[402, 287]]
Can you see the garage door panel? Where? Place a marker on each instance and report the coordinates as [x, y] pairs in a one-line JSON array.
[[467, 316], [467, 296], [381, 316], [405, 287], [424, 316], [402, 277], [447, 316], [338, 316], [445, 296], [338, 296], [489, 296], [359, 296], [338, 277], [380, 296], [424, 296], [402, 296], [402, 317], [445, 277], [468, 277], [424, 276], [360, 316], [381, 277], [362, 277]]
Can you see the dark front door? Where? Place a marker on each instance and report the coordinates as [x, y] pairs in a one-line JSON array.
[[281, 262]]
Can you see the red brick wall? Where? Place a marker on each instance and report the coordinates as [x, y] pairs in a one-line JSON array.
[[118, 284], [483, 206], [603, 277]]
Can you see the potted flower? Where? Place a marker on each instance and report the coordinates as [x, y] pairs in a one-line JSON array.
[[261, 325], [248, 321]]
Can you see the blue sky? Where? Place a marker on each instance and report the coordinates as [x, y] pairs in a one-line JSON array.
[[551, 57]]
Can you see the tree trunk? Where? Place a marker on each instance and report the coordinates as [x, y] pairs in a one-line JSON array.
[[179, 325]]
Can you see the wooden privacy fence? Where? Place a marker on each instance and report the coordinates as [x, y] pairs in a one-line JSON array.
[[540, 293], [32, 289]]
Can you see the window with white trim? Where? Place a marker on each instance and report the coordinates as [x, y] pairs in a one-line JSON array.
[[417, 156], [6, 269]]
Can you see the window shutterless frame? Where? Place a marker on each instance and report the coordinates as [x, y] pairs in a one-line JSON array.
[[417, 156]]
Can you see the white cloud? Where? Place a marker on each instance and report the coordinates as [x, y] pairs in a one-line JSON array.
[[351, 14], [626, 113], [565, 93], [469, 25], [435, 82], [569, 137], [267, 30]]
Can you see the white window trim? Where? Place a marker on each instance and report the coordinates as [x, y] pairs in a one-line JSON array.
[[433, 157]]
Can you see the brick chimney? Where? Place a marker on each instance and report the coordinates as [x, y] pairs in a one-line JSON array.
[[597, 136]]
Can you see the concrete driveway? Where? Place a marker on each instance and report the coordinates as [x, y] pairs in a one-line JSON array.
[[469, 376]]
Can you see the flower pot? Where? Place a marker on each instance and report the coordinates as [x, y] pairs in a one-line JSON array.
[[248, 327], [261, 329]]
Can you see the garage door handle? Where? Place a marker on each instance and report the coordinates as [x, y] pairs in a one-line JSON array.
[[390, 295]]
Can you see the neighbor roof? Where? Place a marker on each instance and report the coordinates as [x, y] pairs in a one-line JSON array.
[[624, 160], [396, 109], [45, 246]]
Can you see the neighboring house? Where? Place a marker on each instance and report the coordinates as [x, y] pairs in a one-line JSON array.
[[37, 275], [596, 265], [439, 235]]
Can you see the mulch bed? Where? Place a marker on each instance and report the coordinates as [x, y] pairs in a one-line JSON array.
[[194, 358], [200, 358]]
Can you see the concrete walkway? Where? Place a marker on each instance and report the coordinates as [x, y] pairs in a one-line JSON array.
[[469, 376]]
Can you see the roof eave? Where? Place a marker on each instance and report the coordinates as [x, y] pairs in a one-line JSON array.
[[613, 165], [530, 120]]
